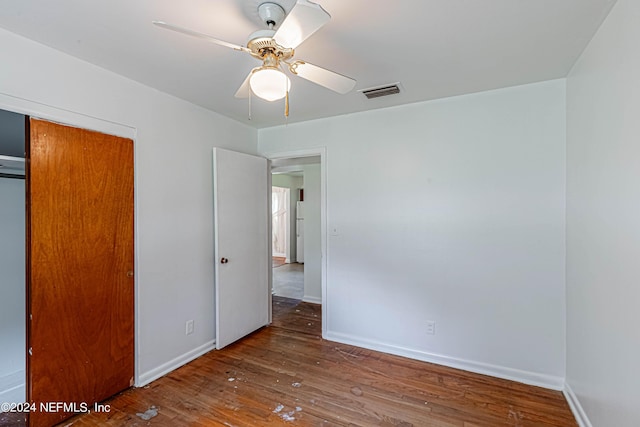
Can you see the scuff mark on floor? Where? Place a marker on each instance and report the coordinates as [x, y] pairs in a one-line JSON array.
[[345, 353], [148, 414], [286, 416], [296, 385], [516, 416]]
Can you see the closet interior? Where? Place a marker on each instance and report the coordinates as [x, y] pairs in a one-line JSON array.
[[12, 257]]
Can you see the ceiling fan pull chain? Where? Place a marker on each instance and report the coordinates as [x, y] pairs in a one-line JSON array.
[[286, 106], [286, 98], [250, 93]]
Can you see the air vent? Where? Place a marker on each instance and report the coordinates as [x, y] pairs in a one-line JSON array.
[[377, 92]]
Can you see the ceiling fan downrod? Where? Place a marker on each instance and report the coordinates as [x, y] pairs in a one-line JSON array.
[[271, 14]]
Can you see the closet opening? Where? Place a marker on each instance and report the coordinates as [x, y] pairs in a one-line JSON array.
[[12, 264]]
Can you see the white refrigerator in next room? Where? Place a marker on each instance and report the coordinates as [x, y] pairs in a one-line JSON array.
[[300, 232]]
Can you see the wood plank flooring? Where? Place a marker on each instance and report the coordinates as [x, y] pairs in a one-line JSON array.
[[286, 374], [277, 261]]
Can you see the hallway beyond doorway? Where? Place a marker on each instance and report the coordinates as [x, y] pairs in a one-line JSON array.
[[288, 281]]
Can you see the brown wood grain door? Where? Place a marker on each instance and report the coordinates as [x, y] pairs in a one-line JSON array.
[[80, 261]]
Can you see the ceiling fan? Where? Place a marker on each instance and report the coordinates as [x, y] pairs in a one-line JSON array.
[[275, 48]]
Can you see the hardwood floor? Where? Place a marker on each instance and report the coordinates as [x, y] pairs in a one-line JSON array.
[[286, 374], [277, 261], [288, 281], [12, 419]]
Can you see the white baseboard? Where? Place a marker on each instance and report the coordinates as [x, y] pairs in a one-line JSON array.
[[532, 378], [313, 300], [164, 369], [576, 407], [12, 387]]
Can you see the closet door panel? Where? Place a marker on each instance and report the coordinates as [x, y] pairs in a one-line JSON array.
[[80, 260]]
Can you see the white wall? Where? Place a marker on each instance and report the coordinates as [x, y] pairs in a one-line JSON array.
[[603, 217], [454, 211], [312, 242], [173, 144], [12, 289], [293, 183]]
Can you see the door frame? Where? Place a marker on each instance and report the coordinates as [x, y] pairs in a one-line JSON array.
[[322, 153], [42, 111]]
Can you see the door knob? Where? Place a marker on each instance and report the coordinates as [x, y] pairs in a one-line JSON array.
[[223, 260]]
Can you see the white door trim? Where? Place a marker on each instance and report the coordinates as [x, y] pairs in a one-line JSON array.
[[311, 152]]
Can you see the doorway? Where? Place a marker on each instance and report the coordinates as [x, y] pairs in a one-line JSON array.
[[288, 270], [303, 172]]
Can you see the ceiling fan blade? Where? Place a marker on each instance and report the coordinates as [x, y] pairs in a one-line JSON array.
[[304, 19], [323, 77], [244, 91], [202, 36]]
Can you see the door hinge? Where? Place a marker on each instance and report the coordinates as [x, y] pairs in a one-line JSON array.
[[30, 352]]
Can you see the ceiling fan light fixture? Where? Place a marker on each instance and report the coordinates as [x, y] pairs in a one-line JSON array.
[[275, 46], [269, 83]]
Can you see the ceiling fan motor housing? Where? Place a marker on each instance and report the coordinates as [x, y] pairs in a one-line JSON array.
[[262, 43]]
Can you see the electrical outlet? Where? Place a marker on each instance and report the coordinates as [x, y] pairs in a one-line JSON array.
[[189, 328], [431, 327]]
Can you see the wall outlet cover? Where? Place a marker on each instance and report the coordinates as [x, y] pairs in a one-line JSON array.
[[431, 327]]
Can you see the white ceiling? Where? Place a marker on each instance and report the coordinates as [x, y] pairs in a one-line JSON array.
[[434, 48]]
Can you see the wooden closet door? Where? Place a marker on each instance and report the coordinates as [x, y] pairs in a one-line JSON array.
[[80, 267]]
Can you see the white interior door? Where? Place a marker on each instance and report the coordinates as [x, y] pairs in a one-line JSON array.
[[242, 244]]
